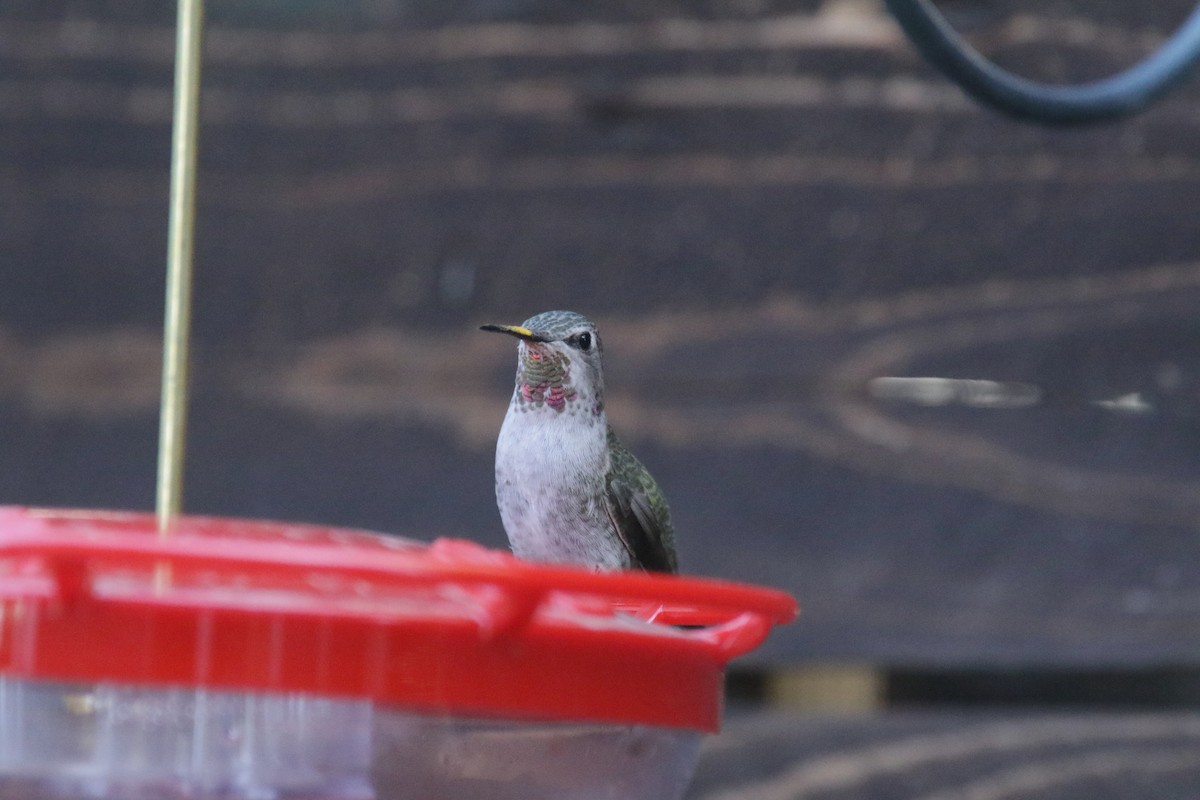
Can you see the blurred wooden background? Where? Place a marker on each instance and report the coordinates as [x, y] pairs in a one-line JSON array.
[[931, 370]]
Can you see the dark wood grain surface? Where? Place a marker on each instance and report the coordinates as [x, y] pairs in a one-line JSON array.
[[772, 209], [959, 756]]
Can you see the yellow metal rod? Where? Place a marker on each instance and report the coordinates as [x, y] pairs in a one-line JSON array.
[[180, 240]]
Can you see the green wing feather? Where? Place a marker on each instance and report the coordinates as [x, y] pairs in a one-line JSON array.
[[639, 511]]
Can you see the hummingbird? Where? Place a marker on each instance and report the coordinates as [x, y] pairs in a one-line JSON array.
[[568, 491]]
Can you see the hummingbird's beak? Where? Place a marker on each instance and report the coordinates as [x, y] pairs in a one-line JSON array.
[[514, 330]]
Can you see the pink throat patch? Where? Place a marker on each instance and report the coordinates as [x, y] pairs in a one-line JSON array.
[[555, 396]]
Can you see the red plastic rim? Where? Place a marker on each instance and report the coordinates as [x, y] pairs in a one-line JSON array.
[[449, 628]]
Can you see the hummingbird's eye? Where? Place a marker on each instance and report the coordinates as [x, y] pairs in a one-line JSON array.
[[581, 341]]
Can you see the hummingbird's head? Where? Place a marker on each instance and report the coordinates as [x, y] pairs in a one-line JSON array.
[[558, 361]]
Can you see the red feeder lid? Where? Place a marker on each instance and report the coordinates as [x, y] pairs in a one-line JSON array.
[[449, 628]]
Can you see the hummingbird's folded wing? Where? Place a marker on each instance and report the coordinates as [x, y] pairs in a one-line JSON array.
[[638, 511], [641, 530]]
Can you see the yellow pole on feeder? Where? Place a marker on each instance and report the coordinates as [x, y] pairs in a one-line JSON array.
[[180, 241]]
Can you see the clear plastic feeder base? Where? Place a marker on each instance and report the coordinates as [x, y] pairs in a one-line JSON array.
[[63, 741], [429, 757], [89, 741]]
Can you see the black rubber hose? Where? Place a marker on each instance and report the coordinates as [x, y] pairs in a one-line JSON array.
[[1111, 98]]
